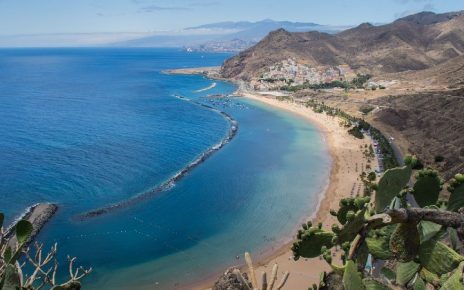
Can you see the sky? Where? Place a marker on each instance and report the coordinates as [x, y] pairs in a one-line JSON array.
[[70, 23], [96, 16]]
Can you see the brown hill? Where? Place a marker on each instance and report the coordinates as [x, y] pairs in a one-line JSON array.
[[411, 43], [448, 75], [431, 122]]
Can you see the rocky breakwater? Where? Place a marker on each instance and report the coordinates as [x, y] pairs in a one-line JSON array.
[[38, 215]]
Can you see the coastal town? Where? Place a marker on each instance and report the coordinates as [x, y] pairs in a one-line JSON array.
[[291, 72]]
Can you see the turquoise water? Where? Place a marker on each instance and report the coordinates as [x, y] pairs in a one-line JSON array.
[[87, 128]]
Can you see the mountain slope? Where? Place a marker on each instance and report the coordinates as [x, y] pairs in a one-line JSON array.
[[447, 75], [411, 43], [431, 122], [223, 32]]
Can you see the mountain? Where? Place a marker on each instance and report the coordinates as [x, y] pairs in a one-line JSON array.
[[430, 122], [410, 43], [224, 35], [447, 75]]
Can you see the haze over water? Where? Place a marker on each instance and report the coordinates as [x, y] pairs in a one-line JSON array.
[[89, 127]]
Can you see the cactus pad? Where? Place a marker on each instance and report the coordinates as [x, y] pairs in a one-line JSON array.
[[455, 281], [405, 242], [349, 231], [310, 242], [438, 258], [427, 187], [350, 205], [23, 231], [405, 272], [372, 284], [456, 200], [419, 284], [352, 278], [428, 230], [429, 277], [391, 183], [378, 243]]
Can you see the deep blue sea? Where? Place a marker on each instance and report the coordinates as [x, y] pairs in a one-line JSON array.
[[87, 128]]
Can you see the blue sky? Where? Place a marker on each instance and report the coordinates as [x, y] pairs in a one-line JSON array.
[[90, 16]]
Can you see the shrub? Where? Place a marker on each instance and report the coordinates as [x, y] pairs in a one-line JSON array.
[[356, 132], [439, 158], [366, 109]]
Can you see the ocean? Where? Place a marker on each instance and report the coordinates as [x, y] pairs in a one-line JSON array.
[[92, 127]]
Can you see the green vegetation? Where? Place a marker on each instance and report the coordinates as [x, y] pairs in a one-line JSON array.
[[389, 158], [16, 257], [357, 83], [371, 176], [364, 109], [427, 187], [439, 159], [414, 162], [356, 132], [416, 247], [360, 80]]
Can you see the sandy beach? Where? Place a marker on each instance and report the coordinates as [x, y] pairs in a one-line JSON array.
[[348, 161]]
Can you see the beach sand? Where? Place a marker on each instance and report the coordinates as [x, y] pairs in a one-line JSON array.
[[348, 162]]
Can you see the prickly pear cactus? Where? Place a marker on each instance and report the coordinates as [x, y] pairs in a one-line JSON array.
[[456, 187], [429, 277], [419, 284], [455, 281], [310, 241], [438, 258], [427, 187], [352, 278], [405, 242], [388, 274], [349, 205], [352, 227], [428, 230], [23, 231], [373, 284], [391, 183], [378, 242], [406, 271]]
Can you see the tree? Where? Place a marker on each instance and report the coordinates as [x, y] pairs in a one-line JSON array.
[[439, 158], [371, 176], [414, 247]]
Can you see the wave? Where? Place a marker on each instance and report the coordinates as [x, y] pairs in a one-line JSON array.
[[22, 216], [213, 85], [168, 184]]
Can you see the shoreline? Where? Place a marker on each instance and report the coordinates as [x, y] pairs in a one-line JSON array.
[[342, 148]]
